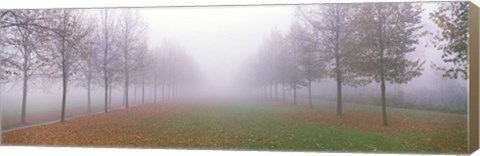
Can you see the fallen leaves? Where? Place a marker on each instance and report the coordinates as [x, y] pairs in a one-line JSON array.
[[213, 124]]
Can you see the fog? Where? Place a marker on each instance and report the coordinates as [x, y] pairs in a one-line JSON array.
[[222, 41], [219, 38]]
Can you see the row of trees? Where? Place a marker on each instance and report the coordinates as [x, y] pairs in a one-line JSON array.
[[98, 47], [357, 44]]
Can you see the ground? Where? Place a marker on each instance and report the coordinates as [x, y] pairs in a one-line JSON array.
[[247, 125]]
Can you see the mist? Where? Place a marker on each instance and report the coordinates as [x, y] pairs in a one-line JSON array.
[[220, 42]]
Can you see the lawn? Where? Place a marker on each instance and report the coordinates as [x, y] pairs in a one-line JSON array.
[[247, 125]]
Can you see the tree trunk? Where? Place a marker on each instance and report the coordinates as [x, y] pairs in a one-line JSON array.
[[173, 91], [310, 93], [126, 66], [271, 91], [126, 87], [89, 95], [135, 93], [105, 54], [110, 96], [264, 91], [25, 90], [123, 97], [294, 93], [143, 87], [64, 94], [169, 90], [384, 105], [155, 91], [163, 91], [65, 70], [276, 91], [382, 70], [1, 119], [339, 88], [283, 92], [106, 91], [89, 82]]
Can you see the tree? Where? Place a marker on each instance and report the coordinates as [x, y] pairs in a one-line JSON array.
[[131, 32], [388, 32], [29, 57], [452, 39], [67, 41], [332, 25], [294, 40], [139, 62], [106, 39], [87, 64]]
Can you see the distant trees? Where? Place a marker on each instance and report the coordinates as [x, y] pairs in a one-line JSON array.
[[308, 59], [272, 62], [296, 40], [174, 70], [452, 39]]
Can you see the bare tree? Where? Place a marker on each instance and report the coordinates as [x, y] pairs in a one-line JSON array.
[[87, 63], [294, 40], [26, 40], [131, 32], [68, 39], [105, 39]]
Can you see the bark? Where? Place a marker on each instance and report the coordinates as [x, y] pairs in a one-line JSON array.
[[339, 91], [25, 88], [105, 54], [89, 95], [338, 72], [126, 80], [110, 95], [106, 91], [65, 72], [89, 82], [64, 94]]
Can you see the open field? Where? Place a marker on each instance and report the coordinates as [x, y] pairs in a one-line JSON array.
[[247, 125]]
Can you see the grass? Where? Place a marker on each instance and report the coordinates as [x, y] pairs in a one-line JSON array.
[[246, 125]]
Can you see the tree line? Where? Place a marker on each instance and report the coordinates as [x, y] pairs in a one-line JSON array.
[[358, 44], [106, 48]]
